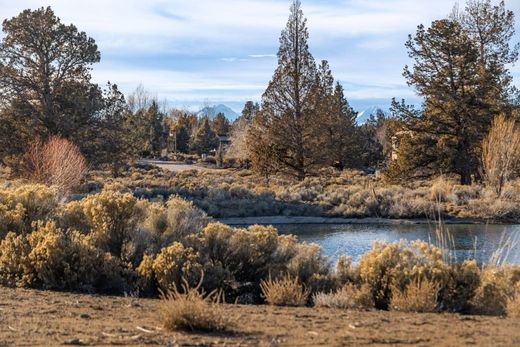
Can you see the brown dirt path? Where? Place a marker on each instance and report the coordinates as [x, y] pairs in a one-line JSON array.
[[39, 318]]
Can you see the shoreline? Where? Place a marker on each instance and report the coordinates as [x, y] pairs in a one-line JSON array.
[[284, 220]]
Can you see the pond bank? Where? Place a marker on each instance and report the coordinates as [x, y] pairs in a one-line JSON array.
[[282, 220]]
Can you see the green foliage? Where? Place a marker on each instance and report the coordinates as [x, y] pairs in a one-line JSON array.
[[205, 139], [221, 125], [461, 71]]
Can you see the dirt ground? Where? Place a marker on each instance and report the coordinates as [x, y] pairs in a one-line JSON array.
[[36, 318]]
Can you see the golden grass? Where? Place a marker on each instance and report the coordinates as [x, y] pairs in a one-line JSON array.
[[348, 297], [193, 310], [285, 291]]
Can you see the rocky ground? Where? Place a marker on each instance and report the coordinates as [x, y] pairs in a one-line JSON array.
[[36, 318]]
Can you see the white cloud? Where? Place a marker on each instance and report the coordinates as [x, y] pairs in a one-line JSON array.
[[224, 49]]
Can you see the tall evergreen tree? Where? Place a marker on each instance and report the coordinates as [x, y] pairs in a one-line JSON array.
[[249, 111], [45, 81], [461, 71], [221, 125], [338, 134], [205, 139], [288, 104]]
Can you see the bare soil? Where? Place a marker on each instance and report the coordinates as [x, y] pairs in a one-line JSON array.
[[41, 318]]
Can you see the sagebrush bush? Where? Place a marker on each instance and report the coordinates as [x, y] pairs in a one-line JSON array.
[[493, 293], [21, 206], [418, 296], [175, 263], [349, 296], [110, 217], [175, 221], [395, 265], [50, 258], [284, 291], [250, 255], [193, 310]]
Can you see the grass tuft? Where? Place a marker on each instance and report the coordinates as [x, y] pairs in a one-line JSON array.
[[193, 310], [285, 291]]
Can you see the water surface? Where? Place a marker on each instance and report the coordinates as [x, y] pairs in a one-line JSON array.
[[470, 241]]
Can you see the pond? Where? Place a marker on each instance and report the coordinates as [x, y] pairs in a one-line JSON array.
[[470, 241]]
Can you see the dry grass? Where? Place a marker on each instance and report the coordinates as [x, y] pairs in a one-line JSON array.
[[348, 297], [193, 310], [285, 291], [419, 296]]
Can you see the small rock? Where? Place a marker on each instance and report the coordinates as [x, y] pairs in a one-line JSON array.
[[84, 316]]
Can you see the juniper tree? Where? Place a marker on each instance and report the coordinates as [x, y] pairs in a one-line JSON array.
[[288, 104], [45, 79], [460, 70]]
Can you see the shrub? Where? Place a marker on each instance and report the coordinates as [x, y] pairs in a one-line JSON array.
[[175, 263], [49, 258], [57, 162], [501, 153], [441, 190], [23, 205], [513, 303], [394, 265], [285, 291], [176, 221], [418, 296], [111, 218], [193, 310], [348, 297], [491, 297]]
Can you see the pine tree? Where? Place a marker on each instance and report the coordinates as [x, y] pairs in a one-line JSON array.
[[288, 104], [249, 111], [461, 71], [205, 140], [221, 125]]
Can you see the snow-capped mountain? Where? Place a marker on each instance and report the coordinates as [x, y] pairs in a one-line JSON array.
[[212, 111], [364, 115]]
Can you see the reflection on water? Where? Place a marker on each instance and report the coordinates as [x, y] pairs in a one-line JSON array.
[[471, 241]]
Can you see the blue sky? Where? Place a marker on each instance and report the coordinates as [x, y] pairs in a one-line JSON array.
[[193, 53]]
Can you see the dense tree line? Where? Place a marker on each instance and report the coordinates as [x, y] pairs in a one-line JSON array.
[[304, 122]]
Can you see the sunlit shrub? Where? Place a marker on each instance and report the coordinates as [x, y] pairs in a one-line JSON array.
[[394, 265], [419, 295], [491, 297], [284, 291], [50, 258], [174, 222], [348, 297], [21, 206], [170, 266], [252, 254], [58, 162], [111, 217]]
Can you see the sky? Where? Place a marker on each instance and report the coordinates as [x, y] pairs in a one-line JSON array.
[[193, 53]]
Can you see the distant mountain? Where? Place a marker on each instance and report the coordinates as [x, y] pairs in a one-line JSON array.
[[212, 111], [364, 115]]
